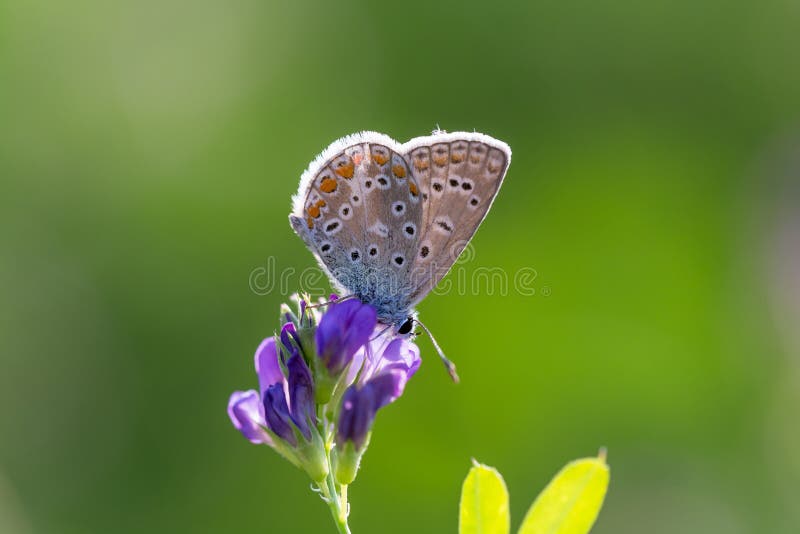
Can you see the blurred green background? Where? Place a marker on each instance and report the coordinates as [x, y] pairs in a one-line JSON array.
[[148, 151]]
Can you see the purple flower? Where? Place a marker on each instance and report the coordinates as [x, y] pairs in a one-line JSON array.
[[382, 354], [342, 331], [282, 404], [301, 395], [289, 337], [247, 415], [323, 379], [276, 412], [386, 367], [359, 406]]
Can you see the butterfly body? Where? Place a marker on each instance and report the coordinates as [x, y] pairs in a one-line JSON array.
[[386, 220]]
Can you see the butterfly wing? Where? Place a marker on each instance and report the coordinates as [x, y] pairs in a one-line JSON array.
[[359, 211], [459, 176]]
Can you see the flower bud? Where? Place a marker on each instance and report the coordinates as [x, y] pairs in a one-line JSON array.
[[344, 329], [313, 458], [287, 315], [346, 461]]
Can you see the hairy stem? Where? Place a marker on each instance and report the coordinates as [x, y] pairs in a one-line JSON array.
[[336, 496], [337, 502]]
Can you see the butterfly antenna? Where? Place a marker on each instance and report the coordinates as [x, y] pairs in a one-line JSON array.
[[450, 366]]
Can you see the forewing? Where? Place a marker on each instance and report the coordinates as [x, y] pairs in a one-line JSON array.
[[359, 211], [459, 175]]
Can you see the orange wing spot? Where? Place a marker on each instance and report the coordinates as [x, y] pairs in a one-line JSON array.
[[310, 223], [345, 170], [475, 159], [380, 159], [328, 185], [457, 158], [441, 161], [358, 158], [493, 168], [314, 210], [421, 164], [413, 188], [399, 171]]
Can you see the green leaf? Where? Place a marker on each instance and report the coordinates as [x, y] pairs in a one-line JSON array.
[[484, 502], [572, 500]]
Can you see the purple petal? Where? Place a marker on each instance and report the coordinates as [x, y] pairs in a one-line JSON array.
[[268, 367], [276, 413], [246, 413], [401, 355], [359, 362], [345, 328], [356, 416], [289, 337], [387, 388], [301, 394], [389, 355], [372, 353], [359, 405]]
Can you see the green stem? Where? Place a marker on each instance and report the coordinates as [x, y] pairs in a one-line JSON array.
[[338, 508], [337, 502], [336, 496]]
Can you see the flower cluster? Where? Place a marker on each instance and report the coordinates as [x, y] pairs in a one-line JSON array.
[[321, 382]]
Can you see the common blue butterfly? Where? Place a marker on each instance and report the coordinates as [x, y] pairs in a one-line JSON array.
[[386, 220]]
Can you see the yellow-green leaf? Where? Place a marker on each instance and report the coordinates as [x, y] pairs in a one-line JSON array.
[[572, 500], [484, 502]]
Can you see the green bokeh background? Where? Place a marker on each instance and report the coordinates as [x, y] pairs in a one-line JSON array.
[[148, 151]]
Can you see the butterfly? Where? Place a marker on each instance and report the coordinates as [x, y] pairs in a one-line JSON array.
[[386, 221]]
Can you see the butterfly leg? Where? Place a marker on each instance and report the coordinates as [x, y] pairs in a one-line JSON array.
[[332, 301], [379, 334]]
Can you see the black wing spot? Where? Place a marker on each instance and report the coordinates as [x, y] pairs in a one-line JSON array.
[[424, 251]]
